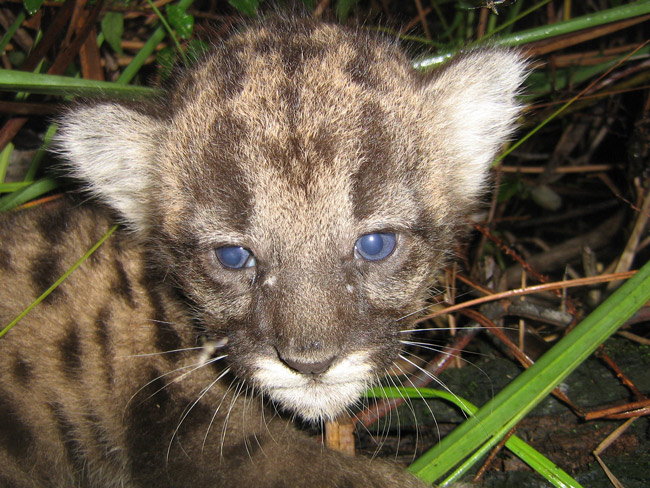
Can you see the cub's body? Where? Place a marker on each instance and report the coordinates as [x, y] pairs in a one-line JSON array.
[[101, 384], [287, 205]]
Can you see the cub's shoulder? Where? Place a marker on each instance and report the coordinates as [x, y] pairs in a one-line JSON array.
[[41, 243]]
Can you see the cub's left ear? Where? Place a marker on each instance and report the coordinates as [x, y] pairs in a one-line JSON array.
[[472, 103], [112, 149]]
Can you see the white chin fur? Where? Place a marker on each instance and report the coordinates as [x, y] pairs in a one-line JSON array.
[[315, 399]]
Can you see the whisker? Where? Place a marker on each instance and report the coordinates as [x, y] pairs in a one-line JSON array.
[[263, 417], [439, 350], [437, 329], [196, 366], [216, 411], [399, 420], [240, 385], [251, 400], [243, 423], [386, 428], [415, 312], [383, 431], [175, 380], [154, 380], [428, 329], [188, 410], [433, 293], [163, 322], [417, 431], [438, 381], [160, 353], [466, 361]]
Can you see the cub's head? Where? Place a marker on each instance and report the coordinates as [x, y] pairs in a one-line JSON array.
[[301, 185]]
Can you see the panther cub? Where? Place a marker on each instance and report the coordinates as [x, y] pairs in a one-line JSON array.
[[285, 206]]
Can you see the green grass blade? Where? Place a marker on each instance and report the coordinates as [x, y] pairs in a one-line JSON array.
[[549, 31], [507, 408], [4, 160], [20, 81], [541, 464], [34, 190], [572, 25], [12, 187], [170, 31], [148, 49], [23, 81], [12, 30], [61, 279], [419, 393], [35, 163]]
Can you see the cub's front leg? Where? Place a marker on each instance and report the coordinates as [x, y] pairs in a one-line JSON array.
[[246, 448]]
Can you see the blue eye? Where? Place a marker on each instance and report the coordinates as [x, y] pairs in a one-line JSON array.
[[235, 257], [375, 246]]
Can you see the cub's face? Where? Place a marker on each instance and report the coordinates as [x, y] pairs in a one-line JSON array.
[[302, 185]]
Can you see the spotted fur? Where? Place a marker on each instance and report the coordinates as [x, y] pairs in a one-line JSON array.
[[293, 139]]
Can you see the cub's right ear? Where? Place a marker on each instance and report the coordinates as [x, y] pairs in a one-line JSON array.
[[111, 148], [472, 105]]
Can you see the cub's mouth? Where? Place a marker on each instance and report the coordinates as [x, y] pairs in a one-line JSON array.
[[315, 397]]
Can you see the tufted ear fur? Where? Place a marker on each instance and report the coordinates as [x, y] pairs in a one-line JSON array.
[[111, 149], [471, 106]]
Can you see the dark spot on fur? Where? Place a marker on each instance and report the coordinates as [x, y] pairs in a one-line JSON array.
[[116, 246], [344, 482], [53, 225], [376, 166], [102, 336], [5, 260], [101, 439], [101, 330], [324, 144], [70, 350], [151, 415], [294, 54], [23, 371], [288, 157], [100, 436], [231, 79], [243, 450], [100, 228], [122, 286], [45, 269], [15, 436], [359, 71], [292, 49], [155, 300], [222, 180], [235, 197], [262, 46], [72, 444], [290, 94], [166, 338]]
